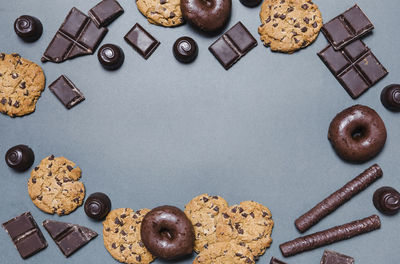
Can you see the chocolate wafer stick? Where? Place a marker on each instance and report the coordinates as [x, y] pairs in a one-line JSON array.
[[330, 236], [336, 199]]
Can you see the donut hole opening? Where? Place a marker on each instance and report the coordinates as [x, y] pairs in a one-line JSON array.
[[166, 233], [358, 133]]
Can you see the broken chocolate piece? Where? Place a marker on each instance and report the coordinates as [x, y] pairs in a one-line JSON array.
[[276, 261], [144, 43], [69, 237], [332, 257], [105, 12], [68, 94]]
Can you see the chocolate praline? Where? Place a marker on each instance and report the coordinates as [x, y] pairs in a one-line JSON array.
[[390, 97], [387, 200], [185, 49], [20, 157], [111, 56], [250, 3], [97, 205], [28, 28]]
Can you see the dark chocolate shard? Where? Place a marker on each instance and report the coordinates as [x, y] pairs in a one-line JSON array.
[[25, 234], [332, 257], [105, 12], [77, 36], [69, 237], [144, 43], [68, 94]]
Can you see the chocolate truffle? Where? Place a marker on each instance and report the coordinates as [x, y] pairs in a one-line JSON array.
[[390, 97], [185, 49], [387, 200], [97, 205], [250, 3], [111, 56], [20, 157], [28, 28]]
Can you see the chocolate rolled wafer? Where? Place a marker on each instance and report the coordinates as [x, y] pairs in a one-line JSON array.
[[330, 236], [336, 199]]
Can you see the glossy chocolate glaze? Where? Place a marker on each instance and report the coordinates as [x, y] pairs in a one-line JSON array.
[[111, 56], [97, 205], [20, 157], [28, 28], [185, 49], [387, 200], [390, 97], [357, 134], [167, 232]]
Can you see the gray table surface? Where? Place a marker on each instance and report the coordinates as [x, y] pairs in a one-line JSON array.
[[159, 132]]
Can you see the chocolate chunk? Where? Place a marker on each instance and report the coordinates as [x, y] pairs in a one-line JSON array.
[[20, 157], [233, 45], [68, 237], [390, 97], [332, 257], [185, 49], [68, 94], [276, 261], [105, 12], [25, 234], [330, 236], [355, 67], [336, 199], [347, 27], [28, 28], [250, 3], [387, 200], [77, 36], [144, 43], [98, 205]]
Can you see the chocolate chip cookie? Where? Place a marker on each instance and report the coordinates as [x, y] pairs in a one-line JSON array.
[[121, 234], [289, 25], [21, 84], [165, 13], [54, 186], [223, 253], [249, 223], [203, 211]]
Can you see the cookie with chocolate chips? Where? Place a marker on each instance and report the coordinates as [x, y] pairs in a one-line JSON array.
[[223, 253], [249, 224], [121, 234], [289, 25], [165, 13], [203, 211], [21, 84], [54, 186]]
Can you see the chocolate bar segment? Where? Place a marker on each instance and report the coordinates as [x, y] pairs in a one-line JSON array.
[[355, 67], [144, 43], [69, 237], [336, 199], [25, 234], [68, 94], [105, 12], [233, 45], [276, 261], [332, 257], [330, 236], [77, 36], [347, 27]]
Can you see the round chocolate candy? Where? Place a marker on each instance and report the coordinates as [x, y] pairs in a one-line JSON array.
[[97, 205], [387, 200], [185, 49], [111, 56], [20, 157], [28, 28], [250, 3], [390, 97]]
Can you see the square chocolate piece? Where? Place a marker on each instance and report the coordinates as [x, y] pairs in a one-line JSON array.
[[332, 257], [347, 27], [233, 45], [105, 12], [68, 94], [144, 43], [25, 234]]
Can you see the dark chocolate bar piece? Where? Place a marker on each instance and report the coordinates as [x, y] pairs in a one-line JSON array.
[[276, 261], [233, 45], [332, 257], [77, 36], [347, 27], [354, 66], [105, 12], [69, 237], [330, 236], [68, 94], [25, 234], [336, 199], [144, 43]]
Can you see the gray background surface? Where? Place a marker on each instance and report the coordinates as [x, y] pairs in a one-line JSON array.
[[159, 132]]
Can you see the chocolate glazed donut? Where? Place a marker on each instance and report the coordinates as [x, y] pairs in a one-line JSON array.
[[357, 134], [207, 15], [167, 232]]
